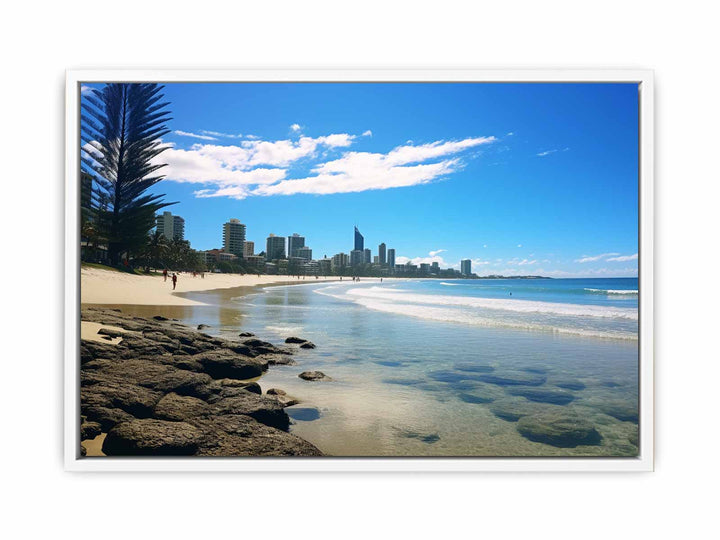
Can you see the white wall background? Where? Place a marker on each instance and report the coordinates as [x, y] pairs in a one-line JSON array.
[[678, 41]]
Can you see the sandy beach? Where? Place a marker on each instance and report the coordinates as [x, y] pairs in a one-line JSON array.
[[99, 286]]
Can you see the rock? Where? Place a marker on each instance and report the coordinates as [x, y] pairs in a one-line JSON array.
[[90, 430], [307, 345], [542, 395], [539, 370], [111, 333], [388, 363], [293, 339], [286, 401], [238, 435], [83, 450], [112, 393], [480, 394], [246, 334], [277, 359], [448, 376], [224, 363], [106, 417], [404, 381], [265, 410], [160, 318], [314, 376], [513, 378], [625, 411], [424, 436], [569, 384], [561, 430], [276, 392], [176, 408], [512, 410], [472, 367], [150, 437], [201, 326]]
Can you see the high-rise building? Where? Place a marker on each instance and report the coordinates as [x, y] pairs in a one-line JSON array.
[[435, 267], [424, 268], [304, 252], [248, 249], [275, 247], [391, 258], [359, 240], [234, 237], [465, 267], [376, 259], [367, 256], [171, 227], [339, 260], [381, 253], [295, 242], [357, 257]]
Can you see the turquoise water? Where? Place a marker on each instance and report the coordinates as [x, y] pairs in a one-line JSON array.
[[431, 367]]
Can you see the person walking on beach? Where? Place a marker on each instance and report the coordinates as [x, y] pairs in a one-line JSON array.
[[174, 280], [164, 274]]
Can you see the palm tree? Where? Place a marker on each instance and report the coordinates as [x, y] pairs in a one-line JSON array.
[[156, 250], [122, 126]]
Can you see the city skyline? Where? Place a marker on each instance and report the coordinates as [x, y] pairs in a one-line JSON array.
[[520, 179]]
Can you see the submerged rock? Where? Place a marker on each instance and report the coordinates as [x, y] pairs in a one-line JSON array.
[[513, 378], [512, 410], [542, 395], [569, 384], [472, 367], [625, 411], [561, 430], [314, 376]]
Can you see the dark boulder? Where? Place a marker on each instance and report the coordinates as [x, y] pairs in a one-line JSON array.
[[224, 363], [569, 384], [293, 339], [246, 334], [276, 392], [314, 376], [160, 318], [202, 326], [90, 430], [308, 345], [150, 437], [561, 430], [265, 410], [106, 417]]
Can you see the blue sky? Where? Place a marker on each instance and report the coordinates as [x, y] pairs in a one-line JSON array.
[[520, 178]]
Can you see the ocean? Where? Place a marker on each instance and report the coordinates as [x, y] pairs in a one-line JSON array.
[[450, 368]]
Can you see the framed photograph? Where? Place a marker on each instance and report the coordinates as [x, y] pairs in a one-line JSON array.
[[390, 270]]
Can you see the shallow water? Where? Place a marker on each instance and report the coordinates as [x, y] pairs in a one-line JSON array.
[[409, 381]]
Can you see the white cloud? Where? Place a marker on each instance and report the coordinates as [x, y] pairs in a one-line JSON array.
[[509, 134], [220, 134], [484, 245], [593, 258], [433, 253], [527, 262], [194, 135], [367, 133], [519, 245], [545, 153], [362, 171], [623, 258], [296, 127]]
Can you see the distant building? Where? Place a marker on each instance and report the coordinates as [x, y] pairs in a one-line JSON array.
[[171, 227], [234, 237], [391, 258], [275, 248], [367, 256], [466, 267], [359, 240], [339, 260], [248, 249], [424, 268], [376, 259], [303, 253], [357, 257], [295, 242], [255, 261], [382, 257], [435, 267], [213, 256], [325, 266]]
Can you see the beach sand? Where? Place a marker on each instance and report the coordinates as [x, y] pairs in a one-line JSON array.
[[99, 286]]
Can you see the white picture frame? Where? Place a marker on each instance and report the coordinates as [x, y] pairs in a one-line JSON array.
[[643, 462]]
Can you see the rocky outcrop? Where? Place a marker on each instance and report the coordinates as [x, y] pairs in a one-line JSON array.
[[296, 340], [542, 395], [314, 376], [167, 390]]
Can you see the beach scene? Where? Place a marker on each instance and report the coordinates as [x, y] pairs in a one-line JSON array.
[[337, 269]]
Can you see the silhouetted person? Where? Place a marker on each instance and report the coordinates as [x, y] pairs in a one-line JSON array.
[[165, 274], [174, 280]]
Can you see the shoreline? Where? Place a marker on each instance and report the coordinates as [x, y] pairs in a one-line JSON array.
[[106, 287]]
